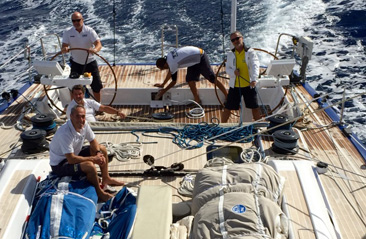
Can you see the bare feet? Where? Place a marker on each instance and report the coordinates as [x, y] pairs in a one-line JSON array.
[[109, 189], [112, 182], [103, 196]]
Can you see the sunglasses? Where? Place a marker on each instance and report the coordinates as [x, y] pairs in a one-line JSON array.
[[76, 20], [235, 39]]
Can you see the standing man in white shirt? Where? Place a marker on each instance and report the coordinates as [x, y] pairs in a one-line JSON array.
[[82, 36]]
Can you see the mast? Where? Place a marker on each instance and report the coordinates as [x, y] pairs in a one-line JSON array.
[[233, 15], [114, 33]]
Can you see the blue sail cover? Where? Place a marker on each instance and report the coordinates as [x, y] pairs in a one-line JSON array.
[[117, 215], [63, 208]]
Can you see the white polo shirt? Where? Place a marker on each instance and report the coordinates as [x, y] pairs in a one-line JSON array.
[[84, 39], [68, 140], [183, 57], [90, 107]]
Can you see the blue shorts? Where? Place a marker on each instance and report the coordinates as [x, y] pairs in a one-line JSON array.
[[92, 67], [65, 169], [234, 98]]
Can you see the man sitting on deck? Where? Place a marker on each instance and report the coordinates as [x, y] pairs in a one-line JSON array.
[[68, 157], [90, 105], [197, 62]]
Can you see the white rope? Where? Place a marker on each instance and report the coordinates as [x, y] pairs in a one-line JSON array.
[[197, 112], [221, 215], [124, 151], [256, 183], [251, 155], [2, 125]]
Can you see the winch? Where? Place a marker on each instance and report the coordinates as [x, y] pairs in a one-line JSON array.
[[166, 115], [44, 122], [285, 142], [276, 120], [34, 141], [163, 116]]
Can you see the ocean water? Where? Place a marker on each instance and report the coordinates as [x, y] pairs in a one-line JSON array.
[[131, 31]]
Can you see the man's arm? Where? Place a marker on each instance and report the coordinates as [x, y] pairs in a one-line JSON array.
[[230, 64], [96, 157], [74, 159], [111, 110], [95, 150], [253, 67], [172, 83], [65, 48], [97, 47], [167, 77], [163, 91]]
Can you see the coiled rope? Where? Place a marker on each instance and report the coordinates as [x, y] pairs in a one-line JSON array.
[[197, 112], [124, 151], [252, 154], [193, 136]]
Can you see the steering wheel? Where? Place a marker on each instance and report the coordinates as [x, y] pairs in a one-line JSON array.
[[110, 67]]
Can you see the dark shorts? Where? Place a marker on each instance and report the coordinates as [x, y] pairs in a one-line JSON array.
[[234, 98], [65, 169], [92, 67], [202, 68]]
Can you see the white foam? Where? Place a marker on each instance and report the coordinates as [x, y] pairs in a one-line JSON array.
[[135, 43]]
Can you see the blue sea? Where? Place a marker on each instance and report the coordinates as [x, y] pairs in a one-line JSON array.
[[131, 33]]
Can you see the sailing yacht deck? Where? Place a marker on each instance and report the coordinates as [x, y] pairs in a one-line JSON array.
[[343, 183]]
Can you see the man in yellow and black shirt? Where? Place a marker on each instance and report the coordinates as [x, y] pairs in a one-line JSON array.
[[243, 68]]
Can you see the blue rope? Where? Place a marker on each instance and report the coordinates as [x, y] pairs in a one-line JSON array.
[[193, 136], [52, 126]]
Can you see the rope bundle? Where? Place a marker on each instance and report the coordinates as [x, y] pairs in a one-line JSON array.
[[124, 151], [193, 136]]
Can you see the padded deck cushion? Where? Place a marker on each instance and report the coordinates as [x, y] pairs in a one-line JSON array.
[[154, 213]]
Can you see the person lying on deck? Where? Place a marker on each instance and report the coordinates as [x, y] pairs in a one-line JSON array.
[[68, 156], [197, 62], [91, 106]]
